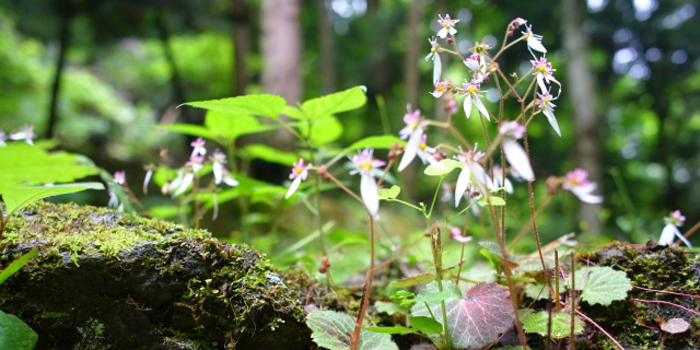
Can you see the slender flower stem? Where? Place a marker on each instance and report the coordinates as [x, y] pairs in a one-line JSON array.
[[601, 329], [572, 298], [507, 46], [366, 291], [349, 191], [461, 255], [386, 171], [667, 303], [667, 292], [527, 226], [690, 232], [319, 224], [399, 254]]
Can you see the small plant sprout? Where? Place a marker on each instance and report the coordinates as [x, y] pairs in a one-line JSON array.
[[299, 173], [471, 93], [440, 88], [456, 234], [198, 147], [368, 168], [515, 154], [547, 108], [471, 167], [670, 231], [448, 26], [577, 182], [437, 64], [26, 134]]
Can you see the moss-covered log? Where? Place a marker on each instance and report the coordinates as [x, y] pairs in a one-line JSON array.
[[108, 280]]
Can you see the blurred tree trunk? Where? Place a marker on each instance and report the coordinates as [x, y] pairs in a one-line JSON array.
[[581, 90], [413, 47], [380, 66], [240, 14], [327, 38], [176, 79], [63, 43], [281, 49]]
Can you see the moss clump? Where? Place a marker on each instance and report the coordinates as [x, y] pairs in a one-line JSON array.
[[108, 280]]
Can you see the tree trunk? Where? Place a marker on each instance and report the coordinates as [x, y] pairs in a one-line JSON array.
[[581, 90], [63, 42], [281, 49], [240, 14], [412, 52], [327, 38]]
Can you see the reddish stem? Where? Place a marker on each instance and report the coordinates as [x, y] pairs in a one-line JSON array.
[[587, 319], [667, 303]]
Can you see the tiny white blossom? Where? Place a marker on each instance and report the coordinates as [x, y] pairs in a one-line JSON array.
[[544, 74], [26, 134], [368, 168], [498, 179], [456, 234], [440, 88], [479, 67], [670, 231], [434, 55], [471, 95], [547, 108], [515, 154], [448, 26], [534, 41], [299, 173], [577, 182], [471, 167], [198, 147]]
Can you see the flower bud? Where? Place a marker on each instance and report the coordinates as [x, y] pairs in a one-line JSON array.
[[553, 185]]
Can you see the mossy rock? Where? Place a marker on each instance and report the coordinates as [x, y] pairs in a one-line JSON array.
[[108, 280]]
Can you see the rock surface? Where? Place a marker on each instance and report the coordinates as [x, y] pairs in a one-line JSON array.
[[107, 280]]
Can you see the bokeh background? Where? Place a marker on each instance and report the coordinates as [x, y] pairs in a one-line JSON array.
[[100, 74]]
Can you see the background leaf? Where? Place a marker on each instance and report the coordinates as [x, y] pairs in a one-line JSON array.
[[377, 142], [449, 164], [389, 193], [20, 162], [330, 329], [19, 196], [15, 334], [270, 154], [425, 324], [16, 265]]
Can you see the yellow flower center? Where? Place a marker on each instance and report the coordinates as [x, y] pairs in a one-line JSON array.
[[472, 90], [422, 146], [298, 170], [575, 182], [367, 166], [440, 88], [446, 24], [432, 50], [413, 125], [543, 69], [547, 99]]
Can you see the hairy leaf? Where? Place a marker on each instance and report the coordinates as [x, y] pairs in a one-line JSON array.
[[601, 285], [21, 196], [389, 193], [16, 265], [262, 104], [476, 319], [23, 163], [561, 324], [335, 103], [15, 334], [331, 329], [377, 142], [449, 164], [675, 326]]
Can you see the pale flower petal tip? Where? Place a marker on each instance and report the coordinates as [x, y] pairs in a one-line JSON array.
[[456, 234]]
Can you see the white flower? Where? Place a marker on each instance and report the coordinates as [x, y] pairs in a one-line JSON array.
[[577, 182], [228, 179], [448, 26], [478, 66], [471, 167], [182, 183], [421, 149], [534, 41], [26, 134], [456, 234], [198, 147], [3, 137], [218, 159], [119, 179], [368, 168], [299, 174], [498, 179], [413, 131], [147, 180], [437, 64], [440, 88], [543, 74], [547, 108], [196, 163], [471, 94], [515, 154], [670, 231]]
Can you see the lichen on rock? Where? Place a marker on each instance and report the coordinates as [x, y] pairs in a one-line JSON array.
[[108, 280]]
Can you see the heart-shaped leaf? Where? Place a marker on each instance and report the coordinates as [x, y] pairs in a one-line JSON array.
[[332, 330]]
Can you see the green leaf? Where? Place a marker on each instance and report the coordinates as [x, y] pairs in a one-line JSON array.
[[335, 103], [15, 334], [231, 126], [539, 291], [389, 330], [188, 129], [269, 154], [388, 308], [168, 211], [323, 130], [495, 201], [449, 164], [20, 162], [402, 294], [389, 193], [293, 112], [560, 328], [16, 265], [433, 297], [495, 249], [377, 142], [425, 324], [602, 285], [262, 104], [331, 330], [20, 196], [412, 281]]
